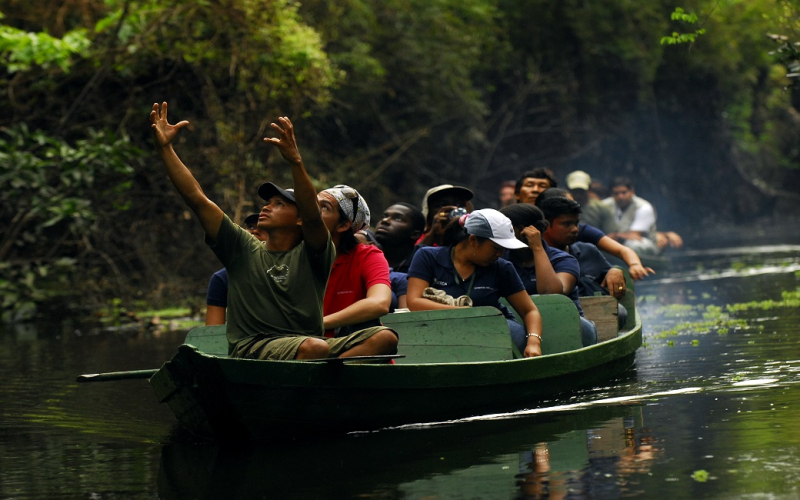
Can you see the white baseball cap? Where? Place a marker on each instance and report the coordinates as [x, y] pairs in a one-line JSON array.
[[579, 180], [489, 223], [457, 190]]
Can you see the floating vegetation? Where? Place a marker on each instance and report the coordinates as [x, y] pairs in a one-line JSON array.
[[788, 299], [709, 319]]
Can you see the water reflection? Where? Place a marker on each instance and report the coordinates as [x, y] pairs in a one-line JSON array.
[[551, 453]]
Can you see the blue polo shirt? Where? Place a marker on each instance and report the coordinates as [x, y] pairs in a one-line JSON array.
[[589, 234], [594, 267], [434, 265], [562, 263], [399, 283], [217, 294]]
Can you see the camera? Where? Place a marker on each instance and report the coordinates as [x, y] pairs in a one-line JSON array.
[[457, 212]]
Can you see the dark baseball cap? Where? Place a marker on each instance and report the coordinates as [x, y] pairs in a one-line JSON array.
[[250, 220], [268, 190]]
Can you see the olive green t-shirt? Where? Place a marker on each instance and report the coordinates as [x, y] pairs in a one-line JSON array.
[[271, 292]]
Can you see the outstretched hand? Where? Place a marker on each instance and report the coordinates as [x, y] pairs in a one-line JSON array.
[[638, 271], [163, 132], [285, 142]]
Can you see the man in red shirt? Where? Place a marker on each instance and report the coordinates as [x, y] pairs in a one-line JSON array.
[[359, 290]]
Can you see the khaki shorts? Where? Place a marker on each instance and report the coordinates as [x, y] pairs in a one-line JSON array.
[[285, 346]]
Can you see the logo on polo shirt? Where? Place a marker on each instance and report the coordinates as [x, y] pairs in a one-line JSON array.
[[437, 282], [278, 273]]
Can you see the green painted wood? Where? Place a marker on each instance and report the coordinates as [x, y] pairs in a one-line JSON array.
[[629, 300], [560, 323], [449, 336], [209, 339], [245, 399], [425, 336]]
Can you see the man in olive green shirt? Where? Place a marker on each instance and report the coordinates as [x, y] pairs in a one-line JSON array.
[[275, 290]]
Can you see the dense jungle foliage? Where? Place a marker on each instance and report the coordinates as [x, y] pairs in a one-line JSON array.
[[695, 105]]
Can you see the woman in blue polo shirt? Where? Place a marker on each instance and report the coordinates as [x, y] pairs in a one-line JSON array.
[[469, 264]]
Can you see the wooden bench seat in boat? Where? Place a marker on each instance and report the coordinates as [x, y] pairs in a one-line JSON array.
[[444, 336], [561, 324], [451, 336], [210, 340], [602, 309]]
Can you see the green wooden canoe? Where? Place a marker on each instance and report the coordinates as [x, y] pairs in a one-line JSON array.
[[457, 363]]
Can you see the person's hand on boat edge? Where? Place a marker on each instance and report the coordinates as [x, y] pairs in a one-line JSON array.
[[614, 282], [163, 132], [534, 347], [285, 142]]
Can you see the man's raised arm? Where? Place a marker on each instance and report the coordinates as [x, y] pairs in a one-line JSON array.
[[315, 234], [207, 211]]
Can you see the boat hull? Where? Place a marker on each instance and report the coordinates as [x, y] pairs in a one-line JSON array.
[[226, 399]]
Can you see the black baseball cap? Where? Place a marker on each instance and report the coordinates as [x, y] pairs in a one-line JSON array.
[[251, 220], [268, 190]]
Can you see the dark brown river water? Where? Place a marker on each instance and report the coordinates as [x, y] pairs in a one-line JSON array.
[[711, 411]]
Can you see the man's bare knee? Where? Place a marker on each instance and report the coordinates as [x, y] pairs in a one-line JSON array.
[[313, 349], [385, 341]]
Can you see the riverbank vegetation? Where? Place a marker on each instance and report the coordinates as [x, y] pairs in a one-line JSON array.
[[389, 96]]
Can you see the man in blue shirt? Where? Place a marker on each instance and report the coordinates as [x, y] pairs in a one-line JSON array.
[[596, 273]]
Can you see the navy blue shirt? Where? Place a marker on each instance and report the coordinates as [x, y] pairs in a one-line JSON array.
[[594, 267], [399, 283], [562, 262], [217, 294], [434, 265], [589, 234]]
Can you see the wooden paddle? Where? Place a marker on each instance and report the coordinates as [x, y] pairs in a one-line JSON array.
[[139, 374], [107, 377]]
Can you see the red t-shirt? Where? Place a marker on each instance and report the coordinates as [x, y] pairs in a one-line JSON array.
[[352, 275]]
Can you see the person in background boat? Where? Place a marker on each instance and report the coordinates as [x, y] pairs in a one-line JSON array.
[[545, 270], [596, 274], [469, 266], [437, 205], [359, 290], [593, 212], [217, 294], [590, 234], [507, 194], [532, 183], [398, 230], [598, 190], [275, 290], [636, 220]]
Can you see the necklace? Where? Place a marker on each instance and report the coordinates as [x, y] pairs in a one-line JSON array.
[[457, 277]]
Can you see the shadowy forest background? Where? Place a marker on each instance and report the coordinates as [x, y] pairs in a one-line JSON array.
[[389, 96]]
